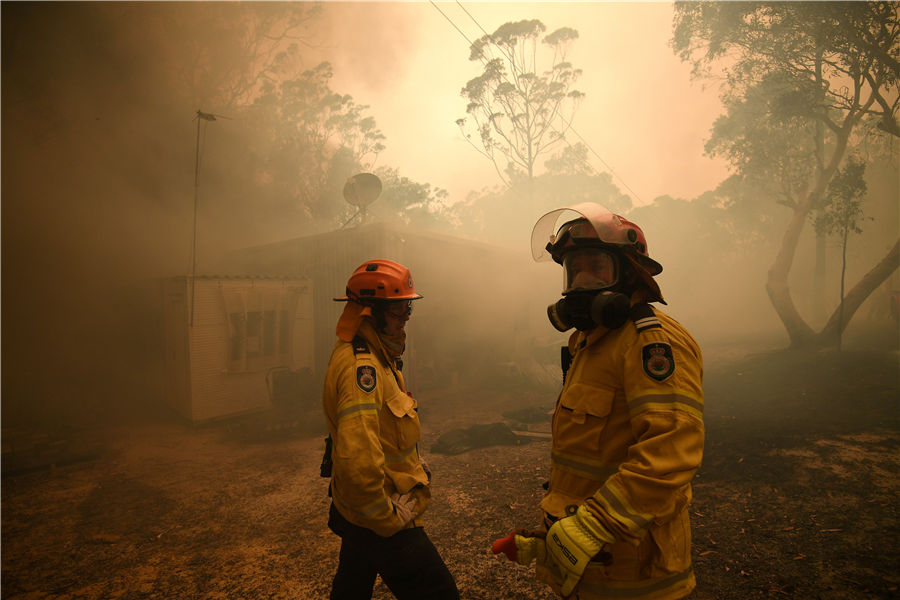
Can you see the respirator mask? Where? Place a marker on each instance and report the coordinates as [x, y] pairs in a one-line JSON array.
[[588, 298], [586, 310]]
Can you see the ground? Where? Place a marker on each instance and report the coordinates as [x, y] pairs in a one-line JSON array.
[[797, 496]]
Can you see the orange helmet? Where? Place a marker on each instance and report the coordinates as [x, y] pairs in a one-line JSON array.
[[592, 225], [380, 279]]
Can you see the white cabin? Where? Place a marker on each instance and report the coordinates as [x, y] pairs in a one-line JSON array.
[[227, 338]]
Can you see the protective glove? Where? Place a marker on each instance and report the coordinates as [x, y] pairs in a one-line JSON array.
[[571, 544], [404, 506], [522, 546]]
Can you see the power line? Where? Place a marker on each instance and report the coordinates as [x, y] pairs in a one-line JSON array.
[[605, 164], [569, 126], [449, 20], [486, 34], [474, 20]]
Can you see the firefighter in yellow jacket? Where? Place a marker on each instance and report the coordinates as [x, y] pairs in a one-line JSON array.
[[628, 426], [379, 484]]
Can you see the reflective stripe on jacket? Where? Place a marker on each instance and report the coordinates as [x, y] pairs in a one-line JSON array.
[[375, 430], [627, 440]]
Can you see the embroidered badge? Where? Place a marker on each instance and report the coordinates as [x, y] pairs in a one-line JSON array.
[[365, 378], [658, 360]]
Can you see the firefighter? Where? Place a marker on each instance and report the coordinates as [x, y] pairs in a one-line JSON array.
[[628, 425], [379, 484]]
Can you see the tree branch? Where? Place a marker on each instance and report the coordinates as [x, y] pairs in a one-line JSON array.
[[855, 297]]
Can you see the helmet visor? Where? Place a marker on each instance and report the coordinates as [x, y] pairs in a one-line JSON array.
[[601, 225], [589, 269]]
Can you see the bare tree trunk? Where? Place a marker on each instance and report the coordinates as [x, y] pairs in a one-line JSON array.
[[819, 308], [799, 332], [843, 279], [875, 277]]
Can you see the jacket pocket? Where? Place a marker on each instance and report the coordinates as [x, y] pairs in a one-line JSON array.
[[403, 419], [672, 545], [582, 415]]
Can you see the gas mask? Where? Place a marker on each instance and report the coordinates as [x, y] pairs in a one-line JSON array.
[[592, 286], [585, 310]]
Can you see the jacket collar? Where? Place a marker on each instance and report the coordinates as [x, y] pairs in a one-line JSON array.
[[367, 332]]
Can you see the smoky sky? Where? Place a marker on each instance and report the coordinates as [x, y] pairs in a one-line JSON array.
[[99, 149], [97, 165]]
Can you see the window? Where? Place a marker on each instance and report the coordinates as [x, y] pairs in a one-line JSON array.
[[259, 326], [236, 336], [284, 332]]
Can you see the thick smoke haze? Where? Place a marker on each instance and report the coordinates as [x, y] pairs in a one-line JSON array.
[[148, 453], [100, 139], [642, 115]]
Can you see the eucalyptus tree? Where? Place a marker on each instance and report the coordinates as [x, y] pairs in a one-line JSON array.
[[521, 106], [802, 84], [496, 215], [222, 53], [311, 139], [403, 200]]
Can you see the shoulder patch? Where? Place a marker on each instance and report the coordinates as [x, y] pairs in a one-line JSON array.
[[366, 378], [658, 361]]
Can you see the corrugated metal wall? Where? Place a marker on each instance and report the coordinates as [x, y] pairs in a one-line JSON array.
[[467, 285]]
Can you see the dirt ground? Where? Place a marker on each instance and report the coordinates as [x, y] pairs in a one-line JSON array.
[[797, 496]]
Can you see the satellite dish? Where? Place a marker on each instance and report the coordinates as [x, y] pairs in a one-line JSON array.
[[362, 189]]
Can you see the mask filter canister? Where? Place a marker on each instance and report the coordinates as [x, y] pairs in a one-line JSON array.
[[584, 311]]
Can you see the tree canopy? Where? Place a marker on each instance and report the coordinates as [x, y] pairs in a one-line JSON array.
[[312, 139], [803, 83], [519, 108]]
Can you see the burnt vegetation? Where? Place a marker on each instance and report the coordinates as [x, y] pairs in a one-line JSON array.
[[795, 497]]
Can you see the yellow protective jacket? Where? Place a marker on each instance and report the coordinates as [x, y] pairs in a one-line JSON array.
[[375, 431], [627, 439]]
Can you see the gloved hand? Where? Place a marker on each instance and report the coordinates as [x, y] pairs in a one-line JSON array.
[[522, 546], [571, 544], [404, 506]]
